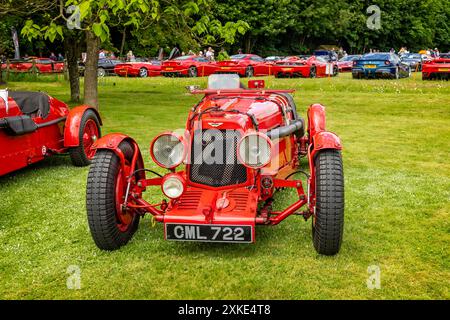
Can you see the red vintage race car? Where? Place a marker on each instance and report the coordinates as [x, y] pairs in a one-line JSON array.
[[436, 69], [43, 65], [34, 125], [240, 146], [304, 67], [188, 66], [246, 65], [138, 69]]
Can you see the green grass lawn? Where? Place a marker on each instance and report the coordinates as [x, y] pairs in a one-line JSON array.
[[396, 137]]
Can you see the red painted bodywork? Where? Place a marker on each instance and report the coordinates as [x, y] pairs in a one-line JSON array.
[[231, 109], [437, 68], [17, 152], [240, 64], [43, 65], [131, 69], [299, 67], [180, 66], [345, 66]]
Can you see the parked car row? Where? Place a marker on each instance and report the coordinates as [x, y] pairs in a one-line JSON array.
[[42, 65], [321, 64]]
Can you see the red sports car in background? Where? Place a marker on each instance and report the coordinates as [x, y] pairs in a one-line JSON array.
[[43, 65], [34, 125], [190, 66], [436, 69], [312, 67], [345, 64], [138, 69], [246, 65]]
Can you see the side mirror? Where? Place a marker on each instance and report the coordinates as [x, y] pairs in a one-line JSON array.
[[256, 84]]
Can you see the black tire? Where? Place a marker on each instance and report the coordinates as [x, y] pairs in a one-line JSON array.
[[100, 200], [78, 154], [328, 223], [192, 72], [249, 72], [143, 73], [335, 71], [313, 72]]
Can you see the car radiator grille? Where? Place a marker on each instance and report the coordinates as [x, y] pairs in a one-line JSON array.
[[214, 160]]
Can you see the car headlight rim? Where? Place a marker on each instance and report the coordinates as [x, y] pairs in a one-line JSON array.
[[262, 151], [178, 149], [173, 186]]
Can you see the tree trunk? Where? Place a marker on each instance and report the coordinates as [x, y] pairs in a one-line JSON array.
[[72, 48], [248, 42], [90, 73], [122, 45]]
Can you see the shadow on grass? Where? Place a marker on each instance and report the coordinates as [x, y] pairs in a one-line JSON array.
[[55, 161]]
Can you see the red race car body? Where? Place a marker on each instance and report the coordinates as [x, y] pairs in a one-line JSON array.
[[138, 69], [43, 65], [34, 125], [310, 67], [246, 65], [188, 66], [238, 148], [436, 69]]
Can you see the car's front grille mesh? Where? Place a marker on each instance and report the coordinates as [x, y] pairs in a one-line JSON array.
[[214, 160]]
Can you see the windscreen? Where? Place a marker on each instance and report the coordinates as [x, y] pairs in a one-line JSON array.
[[224, 81]]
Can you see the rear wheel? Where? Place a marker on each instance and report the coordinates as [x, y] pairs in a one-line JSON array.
[[192, 72], [89, 132], [249, 72], [328, 221], [110, 224], [313, 72], [143, 73], [335, 71]]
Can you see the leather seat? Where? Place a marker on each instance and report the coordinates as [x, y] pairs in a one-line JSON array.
[[31, 103]]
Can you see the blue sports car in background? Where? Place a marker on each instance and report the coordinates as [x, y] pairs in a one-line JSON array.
[[380, 65]]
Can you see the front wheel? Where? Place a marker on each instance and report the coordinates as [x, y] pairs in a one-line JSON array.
[[328, 220], [249, 72], [89, 132], [192, 72], [111, 225], [312, 72], [101, 72], [143, 73]]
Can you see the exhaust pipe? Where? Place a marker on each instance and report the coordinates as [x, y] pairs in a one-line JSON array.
[[282, 132]]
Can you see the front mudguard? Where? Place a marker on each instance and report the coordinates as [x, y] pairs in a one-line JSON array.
[[72, 125], [319, 139], [112, 141]]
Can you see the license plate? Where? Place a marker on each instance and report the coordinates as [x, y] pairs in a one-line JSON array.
[[444, 69], [169, 69], [209, 233], [226, 68], [370, 66], [286, 69]]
